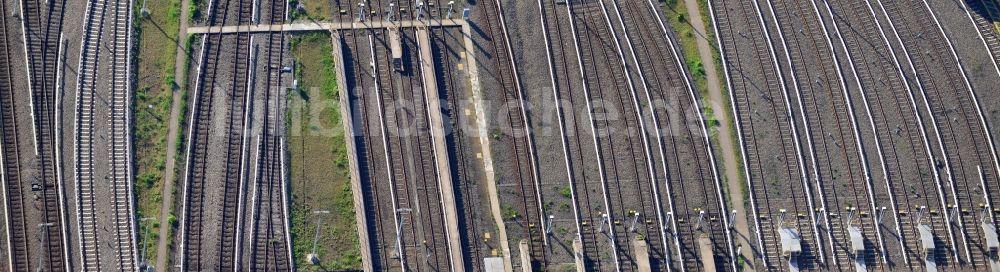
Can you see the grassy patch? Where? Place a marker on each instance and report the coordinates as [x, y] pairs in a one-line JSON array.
[[315, 10], [319, 169], [157, 37], [677, 14]]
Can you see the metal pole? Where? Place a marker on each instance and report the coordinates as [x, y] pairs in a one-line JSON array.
[[144, 11], [701, 217], [548, 226], [954, 212], [399, 232], [361, 12], [850, 216], [392, 11], [732, 219], [145, 237], [821, 211], [781, 218], [881, 215], [986, 211], [451, 8], [635, 219], [45, 235], [420, 10], [604, 219], [666, 220], [920, 214], [319, 219]]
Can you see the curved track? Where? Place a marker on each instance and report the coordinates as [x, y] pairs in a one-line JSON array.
[[779, 192], [105, 24], [831, 132], [957, 120]]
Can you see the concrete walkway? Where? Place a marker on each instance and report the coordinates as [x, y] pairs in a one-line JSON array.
[[352, 154], [162, 252], [482, 128], [718, 101]]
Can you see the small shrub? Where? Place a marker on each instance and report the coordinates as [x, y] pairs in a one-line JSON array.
[[566, 192]]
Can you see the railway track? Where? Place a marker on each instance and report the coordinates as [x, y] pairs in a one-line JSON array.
[[15, 220], [626, 202], [230, 56], [985, 15], [664, 80], [270, 243], [270, 237], [412, 124], [600, 215], [402, 127], [91, 82], [407, 235], [391, 230], [871, 72], [749, 74], [372, 157], [947, 98], [42, 29], [837, 151], [451, 85], [912, 198], [528, 225], [561, 53]]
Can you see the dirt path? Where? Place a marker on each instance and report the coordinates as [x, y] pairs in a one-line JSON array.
[[718, 102], [172, 130]]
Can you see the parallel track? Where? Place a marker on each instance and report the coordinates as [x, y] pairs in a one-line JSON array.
[[372, 158], [19, 256], [831, 133], [417, 159], [91, 81], [215, 51], [412, 205], [696, 188], [891, 110], [561, 52], [598, 44], [270, 240], [463, 169], [956, 119], [526, 181], [985, 15], [768, 177]]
